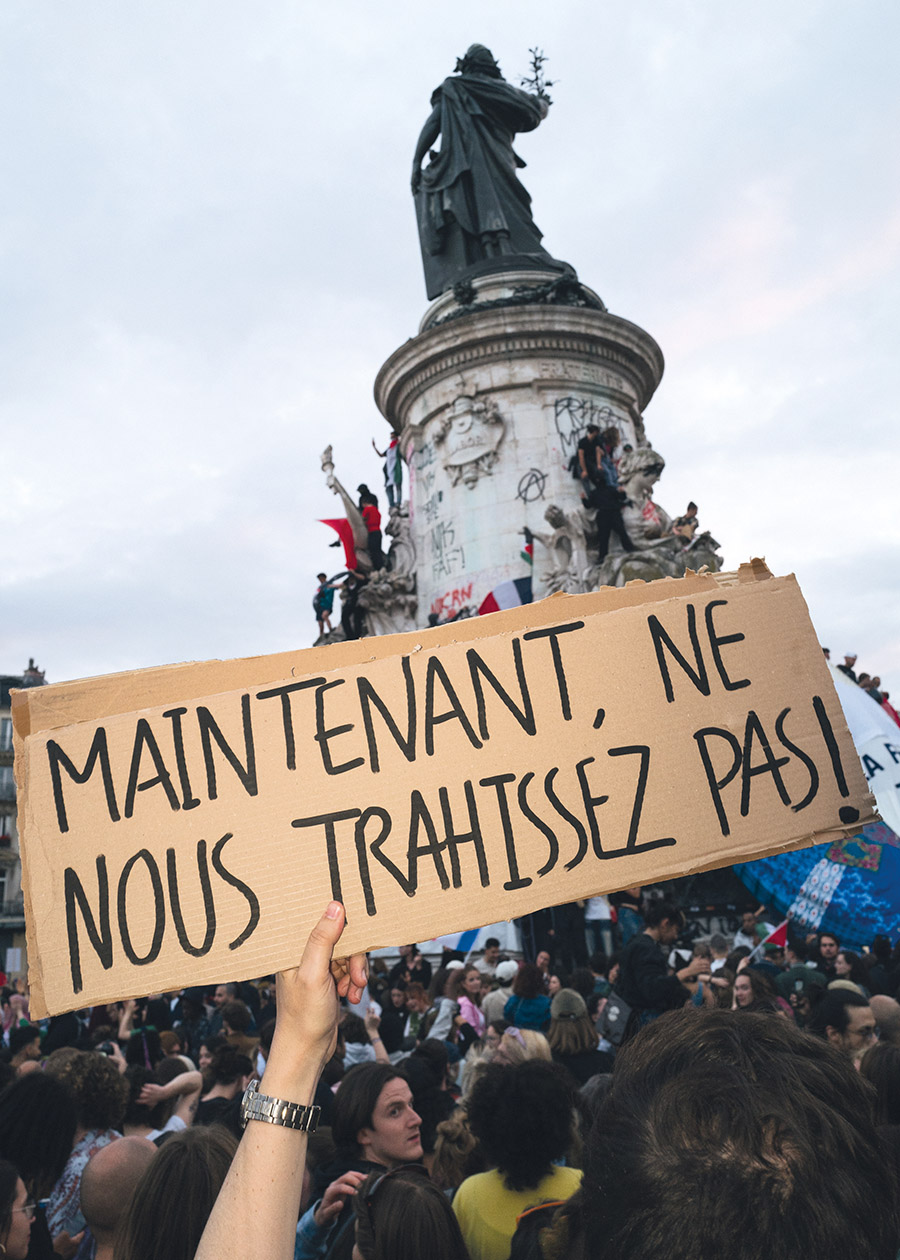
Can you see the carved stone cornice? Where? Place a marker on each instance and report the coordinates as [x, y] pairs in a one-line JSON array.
[[585, 336]]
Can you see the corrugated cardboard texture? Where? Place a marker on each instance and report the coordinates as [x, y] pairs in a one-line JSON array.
[[186, 825]]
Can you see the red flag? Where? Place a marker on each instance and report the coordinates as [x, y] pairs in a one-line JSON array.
[[344, 531], [778, 937]]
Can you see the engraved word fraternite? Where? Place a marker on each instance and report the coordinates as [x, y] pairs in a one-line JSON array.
[[470, 205]]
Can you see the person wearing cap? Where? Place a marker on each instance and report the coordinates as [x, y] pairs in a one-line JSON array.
[[847, 667], [573, 1038], [495, 1001]]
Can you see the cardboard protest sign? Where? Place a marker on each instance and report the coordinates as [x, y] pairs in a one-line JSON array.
[[187, 825]]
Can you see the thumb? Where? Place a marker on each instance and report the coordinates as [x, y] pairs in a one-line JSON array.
[[323, 938]]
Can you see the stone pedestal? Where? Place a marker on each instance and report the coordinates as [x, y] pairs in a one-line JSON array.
[[490, 400]]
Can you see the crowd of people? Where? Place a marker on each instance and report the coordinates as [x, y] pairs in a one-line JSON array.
[[869, 683], [737, 1095]]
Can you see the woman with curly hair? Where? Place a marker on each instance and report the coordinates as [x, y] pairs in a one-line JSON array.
[[101, 1096], [522, 1117]]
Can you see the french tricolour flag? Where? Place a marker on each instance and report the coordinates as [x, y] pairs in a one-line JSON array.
[[507, 595]]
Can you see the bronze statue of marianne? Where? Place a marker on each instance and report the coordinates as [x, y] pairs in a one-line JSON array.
[[470, 205]]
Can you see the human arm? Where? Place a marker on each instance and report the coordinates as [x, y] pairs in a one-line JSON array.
[[427, 137], [442, 1027], [184, 1089], [380, 454], [255, 1214], [126, 1019], [373, 1023]]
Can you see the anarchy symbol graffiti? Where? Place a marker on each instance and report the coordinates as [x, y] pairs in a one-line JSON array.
[[531, 485]]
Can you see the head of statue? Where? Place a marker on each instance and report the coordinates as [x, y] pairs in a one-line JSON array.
[[639, 470], [478, 60]]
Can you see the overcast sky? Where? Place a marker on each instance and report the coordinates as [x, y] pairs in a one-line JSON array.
[[209, 249]]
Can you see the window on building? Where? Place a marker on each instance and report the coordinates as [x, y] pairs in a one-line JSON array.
[[6, 826], [5, 734], [7, 783]]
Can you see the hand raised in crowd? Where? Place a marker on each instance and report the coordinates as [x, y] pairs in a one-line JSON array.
[[66, 1245], [336, 1196], [372, 1022], [255, 1214]]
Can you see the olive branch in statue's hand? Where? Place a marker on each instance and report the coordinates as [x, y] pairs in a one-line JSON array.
[[535, 82]]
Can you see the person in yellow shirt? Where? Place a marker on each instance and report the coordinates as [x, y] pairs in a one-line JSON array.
[[523, 1117]]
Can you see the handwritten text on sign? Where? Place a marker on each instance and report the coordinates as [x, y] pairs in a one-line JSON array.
[[433, 789]]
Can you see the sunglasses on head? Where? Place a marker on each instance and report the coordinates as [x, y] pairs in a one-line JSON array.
[[419, 1170]]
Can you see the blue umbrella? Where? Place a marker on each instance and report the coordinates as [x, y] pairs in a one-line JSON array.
[[851, 887]]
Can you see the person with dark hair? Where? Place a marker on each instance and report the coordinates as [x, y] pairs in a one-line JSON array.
[[236, 1022], [844, 1018], [400, 1215], [826, 957], [439, 1018], [108, 1184], [174, 1197], [229, 1073], [394, 1016], [849, 966], [522, 1116], [368, 508], [629, 913], [101, 1096], [411, 967], [16, 1213], [573, 1038], [798, 977], [375, 1127], [644, 982], [880, 1065], [24, 1046], [323, 602], [529, 1006], [465, 989], [727, 1134], [753, 991], [487, 963], [425, 1071], [37, 1129]]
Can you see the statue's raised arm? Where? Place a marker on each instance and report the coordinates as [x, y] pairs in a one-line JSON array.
[[470, 205]]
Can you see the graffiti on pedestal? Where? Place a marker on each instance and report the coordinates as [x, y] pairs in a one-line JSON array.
[[447, 556], [445, 607], [572, 416], [531, 485]]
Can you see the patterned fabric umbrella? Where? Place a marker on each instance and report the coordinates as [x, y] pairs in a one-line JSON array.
[[852, 887]]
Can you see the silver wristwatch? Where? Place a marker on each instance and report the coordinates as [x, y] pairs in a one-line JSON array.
[[257, 1106]]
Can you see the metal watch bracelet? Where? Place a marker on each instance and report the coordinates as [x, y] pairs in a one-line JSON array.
[[257, 1106]]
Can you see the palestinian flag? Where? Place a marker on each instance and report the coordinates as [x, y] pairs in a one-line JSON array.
[[778, 937], [507, 595], [528, 547], [344, 530]]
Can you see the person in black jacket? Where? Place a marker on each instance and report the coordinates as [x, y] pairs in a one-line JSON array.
[[644, 981]]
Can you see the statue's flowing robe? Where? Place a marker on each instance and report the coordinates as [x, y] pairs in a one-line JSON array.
[[470, 204]]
